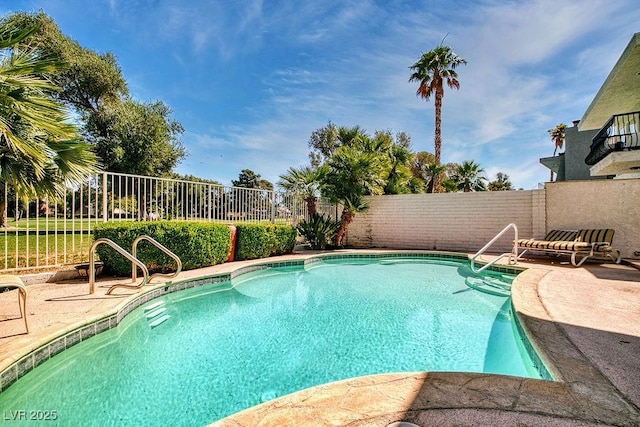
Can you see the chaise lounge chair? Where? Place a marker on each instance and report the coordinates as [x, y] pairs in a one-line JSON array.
[[585, 243], [10, 281]]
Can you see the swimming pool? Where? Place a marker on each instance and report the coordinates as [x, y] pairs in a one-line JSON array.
[[195, 356]]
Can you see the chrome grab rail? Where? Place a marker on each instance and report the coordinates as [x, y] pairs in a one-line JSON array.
[[513, 255], [134, 247], [121, 251]]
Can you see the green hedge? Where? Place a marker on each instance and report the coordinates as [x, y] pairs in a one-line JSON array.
[[197, 244], [263, 240]]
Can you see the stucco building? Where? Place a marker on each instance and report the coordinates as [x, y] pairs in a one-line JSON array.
[[605, 143]]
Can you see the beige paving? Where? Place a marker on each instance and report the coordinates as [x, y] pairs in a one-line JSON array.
[[584, 322]]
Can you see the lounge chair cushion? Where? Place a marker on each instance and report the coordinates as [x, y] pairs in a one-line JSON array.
[[564, 235], [585, 242], [555, 239], [604, 235]]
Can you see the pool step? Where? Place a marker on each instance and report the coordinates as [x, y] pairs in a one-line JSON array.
[[490, 285], [156, 314], [158, 321], [156, 304]]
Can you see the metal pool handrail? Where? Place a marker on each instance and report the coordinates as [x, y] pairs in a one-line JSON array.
[[154, 242], [124, 253], [513, 255]]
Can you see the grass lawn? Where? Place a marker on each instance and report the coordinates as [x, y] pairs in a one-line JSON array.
[[44, 249], [51, 224]]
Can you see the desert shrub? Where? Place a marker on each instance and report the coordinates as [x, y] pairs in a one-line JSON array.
[[318, 231]]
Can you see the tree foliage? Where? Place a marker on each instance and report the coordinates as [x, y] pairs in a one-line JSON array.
[[501, 183], [90, 80], [557, 136], [322, 143], [399, 179], [354, 164], [136, 138], [193, 178], [249, 179], [39, 149], [468, 177], [306, 182], [432, 173], [129, 136]]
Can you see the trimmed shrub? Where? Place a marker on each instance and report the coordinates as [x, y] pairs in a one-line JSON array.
[[197, 244], [263, 240]]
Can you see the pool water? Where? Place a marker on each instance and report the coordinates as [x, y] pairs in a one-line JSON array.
[[199, 355]]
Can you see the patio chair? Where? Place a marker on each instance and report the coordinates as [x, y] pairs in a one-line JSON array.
[[585, 243], [9, 281]]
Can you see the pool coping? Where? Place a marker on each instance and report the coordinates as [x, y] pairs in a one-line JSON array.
[[573, 388]]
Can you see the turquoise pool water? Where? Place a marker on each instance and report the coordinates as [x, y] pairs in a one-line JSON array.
[[196, 356]]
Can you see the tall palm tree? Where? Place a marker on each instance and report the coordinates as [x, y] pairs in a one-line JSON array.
[[468, 177], [432, 70], [39, 149], [305, 182]]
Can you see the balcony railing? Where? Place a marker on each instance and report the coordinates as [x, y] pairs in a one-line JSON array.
[[619, 134]]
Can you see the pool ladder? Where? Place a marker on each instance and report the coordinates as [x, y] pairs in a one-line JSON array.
[[513, 255], [135, 262]]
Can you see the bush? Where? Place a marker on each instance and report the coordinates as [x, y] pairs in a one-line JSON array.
[[197, 244], [318, 231], [263, 240]]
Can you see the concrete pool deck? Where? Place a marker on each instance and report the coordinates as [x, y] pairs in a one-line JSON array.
[[584, 322]]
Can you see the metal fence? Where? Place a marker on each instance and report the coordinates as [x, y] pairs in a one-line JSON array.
[[46, 233]]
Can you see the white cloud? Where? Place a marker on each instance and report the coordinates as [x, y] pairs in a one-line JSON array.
[[278, 70]]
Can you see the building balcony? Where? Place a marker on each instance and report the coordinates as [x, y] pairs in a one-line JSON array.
[[615, 150]]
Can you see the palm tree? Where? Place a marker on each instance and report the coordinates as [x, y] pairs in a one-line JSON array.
[[306, 182], [468, 177], [352, 174], [432, 173], [430, 71], [557, 137], [39, 149]]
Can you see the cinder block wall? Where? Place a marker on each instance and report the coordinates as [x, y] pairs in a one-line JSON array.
[[450, 221], [467, 221]]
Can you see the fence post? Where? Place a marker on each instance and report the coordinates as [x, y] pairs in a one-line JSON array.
[[209, 202], [273, 206], [105, 216]]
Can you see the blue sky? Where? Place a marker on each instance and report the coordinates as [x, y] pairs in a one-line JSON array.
[[251, 80]]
